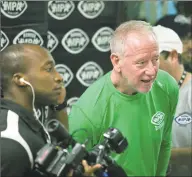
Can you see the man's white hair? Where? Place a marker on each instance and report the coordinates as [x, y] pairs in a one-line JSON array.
[[119, 36]]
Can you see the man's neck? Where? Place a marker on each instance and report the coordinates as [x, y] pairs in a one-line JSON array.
[[187, 78], [119, 84], [178, 75], [21, 100]]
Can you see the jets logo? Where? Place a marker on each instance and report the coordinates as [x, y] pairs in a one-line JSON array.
[[52, 42], [65, 72], [13, 9], [91, 9], [89, 73], [42, 114], [158, 120], [70, 102], [184, 119], [60, 10], [75, 41], [4, 40], [102, 38], [28, 36]]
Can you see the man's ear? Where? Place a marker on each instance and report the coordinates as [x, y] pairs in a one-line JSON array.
[[16, 79], [174, 56], [115, 60]]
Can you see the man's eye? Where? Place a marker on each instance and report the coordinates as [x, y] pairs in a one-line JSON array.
[[49, 69], [155, 60], [141, 63]]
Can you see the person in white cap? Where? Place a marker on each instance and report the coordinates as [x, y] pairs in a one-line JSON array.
[[171, 49]]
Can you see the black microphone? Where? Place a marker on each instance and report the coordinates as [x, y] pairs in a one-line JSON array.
[[59, 132]]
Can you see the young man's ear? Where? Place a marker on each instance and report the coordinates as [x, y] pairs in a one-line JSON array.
[[17, 79], [115, 60], [174, 56]]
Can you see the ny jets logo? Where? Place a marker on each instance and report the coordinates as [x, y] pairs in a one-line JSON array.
[[42, 114], [28, 36], [52, 41], [89, 73], [70, 102], [102, 38], [4, 40], [158, 120], [65, 72], [91, 9], [184, 119], [13, 9], [75, 41], [60, 9]]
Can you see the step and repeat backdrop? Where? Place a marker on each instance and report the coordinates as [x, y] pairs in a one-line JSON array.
[[77, 34]]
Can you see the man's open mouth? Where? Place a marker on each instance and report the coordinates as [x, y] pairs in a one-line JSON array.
[[146, 81]]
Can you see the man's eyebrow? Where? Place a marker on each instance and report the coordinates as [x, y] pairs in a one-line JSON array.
[[156, 56], [49, 62]]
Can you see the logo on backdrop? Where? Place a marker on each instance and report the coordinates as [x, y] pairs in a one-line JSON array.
[[101, 39], [75, 41], [28, 36], [65, 72], [91, 9], [184, 119], [13, 9], [60, 10], [89, 73], [4, 40], [52, 42], [70, 102], [42, 114], [158, 120]]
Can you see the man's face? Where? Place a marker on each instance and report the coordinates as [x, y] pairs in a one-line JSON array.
[[187, 49], [45, 80], [165, 63], [140, 63]]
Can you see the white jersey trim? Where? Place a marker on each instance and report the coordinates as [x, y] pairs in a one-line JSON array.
[[12, 132]]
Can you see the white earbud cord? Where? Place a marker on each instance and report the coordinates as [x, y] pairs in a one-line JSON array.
[[35, 112]]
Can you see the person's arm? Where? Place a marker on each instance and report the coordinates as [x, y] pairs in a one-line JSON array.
[[181, 156], [164, 156], [165, 149], [14, 159]]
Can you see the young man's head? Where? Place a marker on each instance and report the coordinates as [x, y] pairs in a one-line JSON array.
[[134, 55], [182, 25], [170, 47], [35, 65]]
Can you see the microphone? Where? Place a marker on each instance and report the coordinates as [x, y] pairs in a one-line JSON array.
[[59, 132]]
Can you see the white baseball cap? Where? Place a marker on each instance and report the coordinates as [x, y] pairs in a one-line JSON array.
[[168, 39]]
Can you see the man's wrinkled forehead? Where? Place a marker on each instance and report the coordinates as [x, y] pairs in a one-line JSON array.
[[138, 43]]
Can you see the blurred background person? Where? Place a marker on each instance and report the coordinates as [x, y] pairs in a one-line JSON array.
[[181, 24], [171, 49]]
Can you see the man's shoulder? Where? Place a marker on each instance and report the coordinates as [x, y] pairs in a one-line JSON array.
[[98, 84], [166, 82], [95, 97], [95, 91]]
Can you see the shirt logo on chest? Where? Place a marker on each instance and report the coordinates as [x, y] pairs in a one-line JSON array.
[[183, 119], [158, 120]]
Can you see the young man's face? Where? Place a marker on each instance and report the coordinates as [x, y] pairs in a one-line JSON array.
[[165, 63], [141, 61], [187, 49], [46, 81]]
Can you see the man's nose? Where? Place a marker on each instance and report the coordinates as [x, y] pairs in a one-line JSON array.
[[151, 69], [58, 77]]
